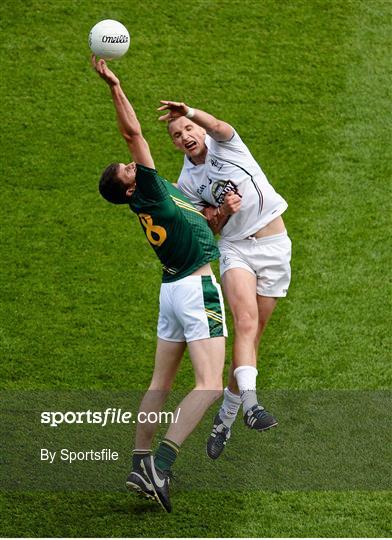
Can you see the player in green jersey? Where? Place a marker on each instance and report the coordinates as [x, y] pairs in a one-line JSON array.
[[191, 311]]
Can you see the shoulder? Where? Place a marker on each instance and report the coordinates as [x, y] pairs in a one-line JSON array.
[[142, 171], [150, 183], [235, 142], [232, 150]]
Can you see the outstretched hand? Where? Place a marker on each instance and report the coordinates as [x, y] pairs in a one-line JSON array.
[[175, 110], [103, 71]]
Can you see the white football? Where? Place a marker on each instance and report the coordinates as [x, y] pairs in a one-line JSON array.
[[109, 39]]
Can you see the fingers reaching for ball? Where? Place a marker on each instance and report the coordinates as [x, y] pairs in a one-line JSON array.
[[174, 108], [96, 63], [169, 105], [103, 71]]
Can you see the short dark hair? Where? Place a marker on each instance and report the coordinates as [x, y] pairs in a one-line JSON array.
[[110, 186]]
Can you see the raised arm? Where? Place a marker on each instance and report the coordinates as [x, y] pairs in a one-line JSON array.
[[217, 129], [128, 123]]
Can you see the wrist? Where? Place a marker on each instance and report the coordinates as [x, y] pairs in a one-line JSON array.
[[190, 113], [221, 213]]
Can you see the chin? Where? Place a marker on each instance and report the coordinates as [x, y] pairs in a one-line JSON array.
[[195, 152]]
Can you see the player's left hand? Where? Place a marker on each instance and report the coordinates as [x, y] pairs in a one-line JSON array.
[[231, 203], [175, 109], [103, 71]]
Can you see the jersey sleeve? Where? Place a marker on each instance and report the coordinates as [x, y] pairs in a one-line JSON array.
[[149, 184], [234, 147]]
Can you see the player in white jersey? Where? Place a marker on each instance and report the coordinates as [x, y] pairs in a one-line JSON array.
[[221, 177]]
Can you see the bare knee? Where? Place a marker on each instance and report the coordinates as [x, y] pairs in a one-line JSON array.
[[161, 381], [246, 323]]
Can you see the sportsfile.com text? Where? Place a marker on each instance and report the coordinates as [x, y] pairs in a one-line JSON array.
[[108, 416]]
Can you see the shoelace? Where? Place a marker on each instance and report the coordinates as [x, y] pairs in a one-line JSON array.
[[259, 412], [221, 430]]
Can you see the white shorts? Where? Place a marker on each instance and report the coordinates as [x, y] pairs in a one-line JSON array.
[[191, 308], [267, 258]]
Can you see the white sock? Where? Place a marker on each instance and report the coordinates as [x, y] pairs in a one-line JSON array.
[[229, 408], [246, 380]]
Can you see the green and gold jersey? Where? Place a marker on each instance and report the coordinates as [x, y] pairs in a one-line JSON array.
[[178, 233]]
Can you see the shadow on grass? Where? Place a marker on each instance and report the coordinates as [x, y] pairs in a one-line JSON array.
[[134, 504]]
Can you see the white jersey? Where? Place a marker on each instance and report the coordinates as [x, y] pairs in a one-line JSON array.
[[229, 166]]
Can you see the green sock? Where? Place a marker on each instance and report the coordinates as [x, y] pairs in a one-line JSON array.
[[166, 455]]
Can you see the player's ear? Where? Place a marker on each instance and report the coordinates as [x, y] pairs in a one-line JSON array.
[[130, 191]]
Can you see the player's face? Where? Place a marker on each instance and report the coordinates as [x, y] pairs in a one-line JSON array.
[[127, 175], [190, 138]]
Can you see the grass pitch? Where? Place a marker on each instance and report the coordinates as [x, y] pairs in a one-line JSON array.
[[307, 86]]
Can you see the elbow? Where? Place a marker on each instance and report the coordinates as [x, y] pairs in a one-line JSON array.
[[221, 131], [131, 130], [215, 128], [131, 135]]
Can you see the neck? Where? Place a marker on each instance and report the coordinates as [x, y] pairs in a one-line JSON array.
[[200, 158]]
